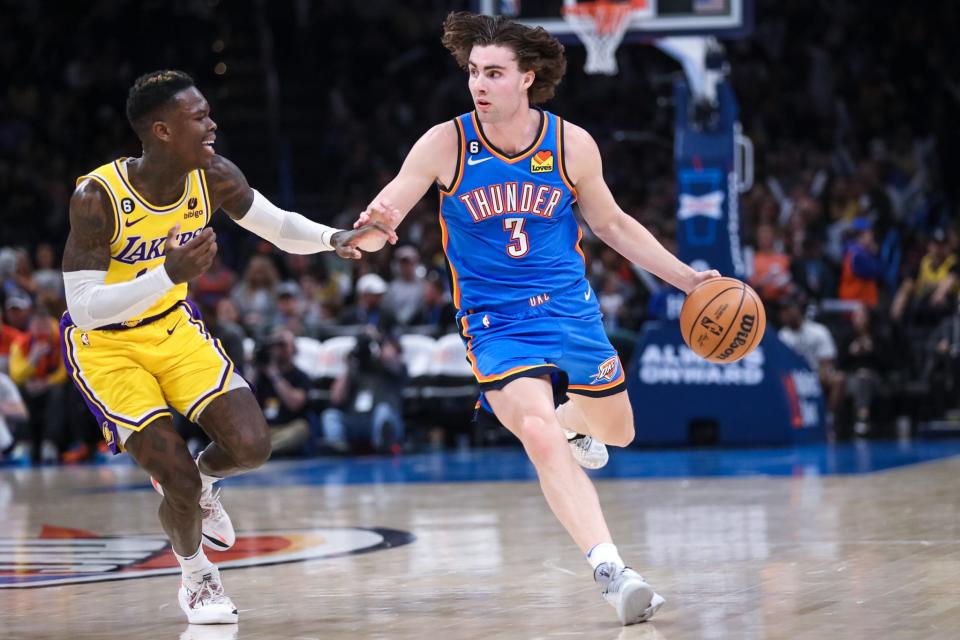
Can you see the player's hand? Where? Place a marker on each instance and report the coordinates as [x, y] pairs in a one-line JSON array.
[[370, 237], [699, 277], [379, 211], [187, 261]]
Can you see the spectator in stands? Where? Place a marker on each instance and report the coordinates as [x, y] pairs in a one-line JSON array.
[[864, 358], [36, 366], [254, 295], [367, 398], [405, 292], [226, 328], [810, 272], [916, 299], [213, 284], [320, 295], [47, 277], [612, 299], [436, 310], [13, 413], [281, 390], [369, 310], [23, 272], [862, 266], [942, 368], [8, 335], [8, 269], [18, 309], [816, 345], [289, 314], [771, 267]]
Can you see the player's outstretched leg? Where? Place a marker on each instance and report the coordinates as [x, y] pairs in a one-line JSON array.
[[525, 406], [160, 451]]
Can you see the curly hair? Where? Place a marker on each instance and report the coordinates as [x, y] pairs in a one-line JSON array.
[[535, 48], [152, 91]]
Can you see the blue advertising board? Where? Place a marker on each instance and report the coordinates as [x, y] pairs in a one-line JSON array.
[[770, 397]]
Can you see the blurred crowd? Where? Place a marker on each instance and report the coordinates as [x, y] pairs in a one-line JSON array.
[[851, 227]]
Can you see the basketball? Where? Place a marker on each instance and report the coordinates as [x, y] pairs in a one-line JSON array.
[[722, 320]]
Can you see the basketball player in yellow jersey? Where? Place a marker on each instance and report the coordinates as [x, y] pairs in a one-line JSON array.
[[135, 346], [508, 174]]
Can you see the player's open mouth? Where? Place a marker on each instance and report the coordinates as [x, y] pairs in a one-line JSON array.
[[209, 144], [482, 104]]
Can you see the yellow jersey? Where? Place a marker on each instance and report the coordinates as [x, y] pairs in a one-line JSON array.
[[140, 228]]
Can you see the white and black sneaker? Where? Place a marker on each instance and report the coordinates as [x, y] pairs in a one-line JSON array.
[[218, 533], [202, 598], [628, 593], [589, 452]]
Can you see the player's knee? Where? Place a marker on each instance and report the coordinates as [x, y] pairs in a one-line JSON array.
[[252, 449], [621, 435], [541, 439], [182, 486]]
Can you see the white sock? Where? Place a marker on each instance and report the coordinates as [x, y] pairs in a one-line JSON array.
[[563, 417], [604, 552], [192, 565], [205, 480]]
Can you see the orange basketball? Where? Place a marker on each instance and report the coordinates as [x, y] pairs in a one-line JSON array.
[[722, 320]]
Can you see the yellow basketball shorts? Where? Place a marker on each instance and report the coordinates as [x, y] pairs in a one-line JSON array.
[[129, 377]]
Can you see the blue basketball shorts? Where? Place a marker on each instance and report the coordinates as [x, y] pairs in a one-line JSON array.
[[559, 334]]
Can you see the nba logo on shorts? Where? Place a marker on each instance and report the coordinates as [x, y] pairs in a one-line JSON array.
[[107, 433]]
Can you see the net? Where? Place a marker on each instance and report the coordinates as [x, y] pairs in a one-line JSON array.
[[600, 25]]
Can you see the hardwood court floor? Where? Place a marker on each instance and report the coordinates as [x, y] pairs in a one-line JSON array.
[[874, 555]]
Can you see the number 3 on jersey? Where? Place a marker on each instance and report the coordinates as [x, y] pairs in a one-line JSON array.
[[518, 245]]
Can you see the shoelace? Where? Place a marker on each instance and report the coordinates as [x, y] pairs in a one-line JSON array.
[[210, 505], [582, 442], [209, 591]]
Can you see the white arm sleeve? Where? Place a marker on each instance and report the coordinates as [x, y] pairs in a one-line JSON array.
[[93, 304], [287, 230]]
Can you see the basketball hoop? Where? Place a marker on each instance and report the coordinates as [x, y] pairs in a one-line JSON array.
[[600, 25]]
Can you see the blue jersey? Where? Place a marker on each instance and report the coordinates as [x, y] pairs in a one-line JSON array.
[[508, 226]]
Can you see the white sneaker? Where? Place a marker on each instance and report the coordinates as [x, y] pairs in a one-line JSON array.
[[589, 452], [210, 632], [49, 452], [203, 600], [217, 528], [625, 589]]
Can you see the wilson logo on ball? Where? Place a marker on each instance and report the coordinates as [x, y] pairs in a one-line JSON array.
[[740, 339]]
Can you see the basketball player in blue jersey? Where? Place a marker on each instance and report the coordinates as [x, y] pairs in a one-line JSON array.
[[135, 346], [508, 175]]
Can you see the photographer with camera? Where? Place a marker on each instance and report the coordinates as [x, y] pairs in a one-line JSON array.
[[281, 391], [368, 397]]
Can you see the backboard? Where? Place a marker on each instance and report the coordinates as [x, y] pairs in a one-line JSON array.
[[720, 18]]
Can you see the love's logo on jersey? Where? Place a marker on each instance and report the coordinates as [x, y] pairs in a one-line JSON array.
[[70, 556], [607, 370], [541, 162]]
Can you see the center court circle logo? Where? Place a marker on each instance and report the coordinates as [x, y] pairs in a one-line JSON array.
[[61, 556]]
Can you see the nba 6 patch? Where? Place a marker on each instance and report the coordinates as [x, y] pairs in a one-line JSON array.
[[541, 162]]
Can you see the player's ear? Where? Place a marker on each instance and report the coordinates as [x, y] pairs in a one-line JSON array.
[[527, 79], [161, 130]]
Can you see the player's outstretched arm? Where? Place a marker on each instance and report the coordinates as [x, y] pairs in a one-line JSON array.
[[433, 156], [86, 257], [287, 230], [611, 224]]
